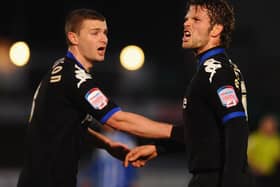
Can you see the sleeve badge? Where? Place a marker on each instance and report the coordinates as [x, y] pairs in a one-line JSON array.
[[96, 98], [227, 96]]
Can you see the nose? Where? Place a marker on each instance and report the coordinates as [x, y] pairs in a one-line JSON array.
[[188, 20], [104, 38], [186, 23]]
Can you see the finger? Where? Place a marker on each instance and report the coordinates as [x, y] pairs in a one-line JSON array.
[[153, 155], [126, 160], [133, 155], [141, 163], [130, 157], [138, 163], [125, 150], [118, 144], [135, 164], [124, 146]]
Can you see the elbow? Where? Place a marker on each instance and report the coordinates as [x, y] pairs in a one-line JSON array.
[[115, 121]]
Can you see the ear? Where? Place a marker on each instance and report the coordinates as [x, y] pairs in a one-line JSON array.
[[73, 38], [217, 30]]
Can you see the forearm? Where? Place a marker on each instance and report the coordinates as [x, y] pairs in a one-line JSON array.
[[169, 146], [236, 135], [236, 141], [178, 134], [140, 126], [176, 143]]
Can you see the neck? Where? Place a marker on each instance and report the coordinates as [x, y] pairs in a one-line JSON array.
[[199, 51], [208, 54], [87, 65], [212, 43]]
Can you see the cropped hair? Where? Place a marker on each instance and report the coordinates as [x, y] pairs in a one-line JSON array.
[[75, 19], [220, 12]]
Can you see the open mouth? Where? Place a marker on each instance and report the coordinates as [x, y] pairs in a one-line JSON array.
[[101, 49], [187, 33], [186, 36]]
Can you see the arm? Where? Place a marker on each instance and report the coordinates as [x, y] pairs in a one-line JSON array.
[[116, 149], [139, 125], [236, 133], [229, 102], [174, 144], [104, 110]]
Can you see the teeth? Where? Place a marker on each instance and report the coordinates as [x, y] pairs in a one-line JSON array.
[[187, 33]]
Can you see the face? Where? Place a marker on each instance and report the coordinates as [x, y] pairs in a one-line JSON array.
[[196, 29], [269, 125], [92, 40]]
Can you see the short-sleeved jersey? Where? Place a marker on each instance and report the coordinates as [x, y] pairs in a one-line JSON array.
[[215, 96], [63, 99]]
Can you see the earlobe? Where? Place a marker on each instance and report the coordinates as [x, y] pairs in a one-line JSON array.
[[217, 30], [72, 37]]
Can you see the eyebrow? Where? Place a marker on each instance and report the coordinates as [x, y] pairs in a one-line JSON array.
[[98, 29], [95, 28]]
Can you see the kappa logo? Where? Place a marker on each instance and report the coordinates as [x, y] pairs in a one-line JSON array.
[[211, 66], [82, 75]]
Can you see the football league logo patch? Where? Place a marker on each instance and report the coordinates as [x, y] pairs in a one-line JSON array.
[[227, 96], [96, 98]]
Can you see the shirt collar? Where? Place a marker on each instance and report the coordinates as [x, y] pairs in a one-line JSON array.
[[71, 56], [208, 54]]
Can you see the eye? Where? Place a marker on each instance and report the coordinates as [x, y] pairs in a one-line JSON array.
[[94, 33]]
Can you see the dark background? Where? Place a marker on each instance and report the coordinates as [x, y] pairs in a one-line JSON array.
[[155, 91]]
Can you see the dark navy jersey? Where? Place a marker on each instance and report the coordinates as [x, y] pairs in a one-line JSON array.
[[65, 96], [214, 101]]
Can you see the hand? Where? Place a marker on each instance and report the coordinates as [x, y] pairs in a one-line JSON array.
[[118, 150], [140, 155]]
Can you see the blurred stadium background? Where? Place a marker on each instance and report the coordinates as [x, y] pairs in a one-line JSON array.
[[155, 90]]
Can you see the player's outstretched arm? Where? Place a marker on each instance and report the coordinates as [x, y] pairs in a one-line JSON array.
[[116, 149], [139, 125], [140, 155]]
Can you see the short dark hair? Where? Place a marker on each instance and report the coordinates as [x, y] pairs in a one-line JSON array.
[[220, 12], [76, 17]]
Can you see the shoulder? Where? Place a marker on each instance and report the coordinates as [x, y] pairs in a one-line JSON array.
[[217, 69], [70, 71], [81, 76], [58, 62]]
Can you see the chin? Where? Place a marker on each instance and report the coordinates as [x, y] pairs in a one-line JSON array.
[[101, 59], [185, 46]]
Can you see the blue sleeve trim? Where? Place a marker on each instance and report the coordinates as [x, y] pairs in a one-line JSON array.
[[232, 115], [109, 114]]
